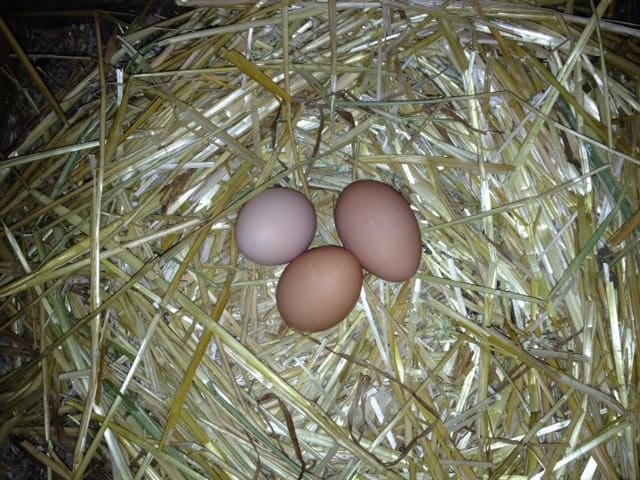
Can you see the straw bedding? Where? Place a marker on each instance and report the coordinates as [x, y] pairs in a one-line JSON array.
[[143, 345]]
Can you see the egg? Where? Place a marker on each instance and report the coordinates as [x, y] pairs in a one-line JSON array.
[[275, 226], [376, 223], [319, 288]]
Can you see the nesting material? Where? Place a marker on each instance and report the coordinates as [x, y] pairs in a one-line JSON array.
[[142, 343]]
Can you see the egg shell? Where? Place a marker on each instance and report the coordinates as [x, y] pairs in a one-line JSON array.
[[275, 226], [319, 288], [376, 223]]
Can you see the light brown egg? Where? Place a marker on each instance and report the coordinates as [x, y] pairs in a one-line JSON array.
[[376, 223], [319, 288]]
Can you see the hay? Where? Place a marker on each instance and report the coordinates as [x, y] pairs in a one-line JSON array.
[[143, 344]]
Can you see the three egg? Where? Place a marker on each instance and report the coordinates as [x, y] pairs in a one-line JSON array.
[[320, 286]]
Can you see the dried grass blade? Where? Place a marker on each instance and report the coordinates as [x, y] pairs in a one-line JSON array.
[[251, 69], [176, 409], [96, 361], [33, 73]]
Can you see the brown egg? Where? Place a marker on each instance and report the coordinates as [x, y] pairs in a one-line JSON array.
[[319, 288], [376, 223]]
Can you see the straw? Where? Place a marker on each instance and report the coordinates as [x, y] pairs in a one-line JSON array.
[[141, 343]]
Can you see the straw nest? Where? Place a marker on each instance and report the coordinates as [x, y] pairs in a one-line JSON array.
[[143, 344]]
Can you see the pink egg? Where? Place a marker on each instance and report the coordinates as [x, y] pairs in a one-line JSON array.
[[275, 226]]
